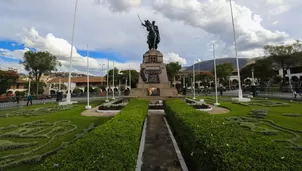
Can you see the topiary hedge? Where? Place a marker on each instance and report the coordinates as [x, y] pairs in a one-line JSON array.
[[211, 143], [111, 146]]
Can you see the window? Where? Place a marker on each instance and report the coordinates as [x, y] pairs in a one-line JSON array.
[[153, 59]]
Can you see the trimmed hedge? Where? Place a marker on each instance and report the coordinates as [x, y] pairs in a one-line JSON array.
[[111, 146], [211, 143]]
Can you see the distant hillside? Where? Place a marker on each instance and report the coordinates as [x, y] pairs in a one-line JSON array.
[[208, 65]]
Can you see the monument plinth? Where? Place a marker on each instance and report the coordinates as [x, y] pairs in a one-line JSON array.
[[153, 80]]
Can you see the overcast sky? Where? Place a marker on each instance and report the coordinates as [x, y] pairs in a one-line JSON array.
[[112, 29]]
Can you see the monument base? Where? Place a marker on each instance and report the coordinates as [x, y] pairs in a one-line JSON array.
[[88, 107], [67, 103], [216, 104], [153, 83], [242, 99]]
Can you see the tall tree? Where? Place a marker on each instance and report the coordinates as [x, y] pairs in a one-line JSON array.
[[204, 77], [117, 76], [263, 70], [224, 71], [7, 78], [172, 69], [39, 63], [285, 56], [134, 76]]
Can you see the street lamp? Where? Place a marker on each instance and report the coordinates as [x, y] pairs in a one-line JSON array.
[[102, 72], [68, 96], [29, 83], [193, 82], [253, 78]]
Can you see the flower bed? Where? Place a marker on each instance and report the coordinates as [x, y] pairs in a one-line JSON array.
[[211, 143], [118, 104], [40, 133], [264, 103], [34, 112], [111, 146], [198, 105]]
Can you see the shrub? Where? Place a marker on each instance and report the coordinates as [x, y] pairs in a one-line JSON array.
[[111, 146], [211, 143]]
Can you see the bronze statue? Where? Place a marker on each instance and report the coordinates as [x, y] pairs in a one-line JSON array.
[[153, 37]]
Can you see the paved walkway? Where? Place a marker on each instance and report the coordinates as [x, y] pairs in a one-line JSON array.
[[159, 152]]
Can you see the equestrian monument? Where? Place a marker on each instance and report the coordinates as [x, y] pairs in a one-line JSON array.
[[153, 80]]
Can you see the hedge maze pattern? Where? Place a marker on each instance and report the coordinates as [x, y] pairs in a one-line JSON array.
[[256, 122], [33, 112], [21, 143], [263, 103]]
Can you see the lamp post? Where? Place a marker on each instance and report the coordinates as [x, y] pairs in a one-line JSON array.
[[102, 72], [289, 79], [253, 83], [193, 82], [29, 83], [236, 55], [88, 88], [253, 78], [216, 93], [113, 85], [68, 96], [107, 88], [130, 77], [60, 85], [184, 85]]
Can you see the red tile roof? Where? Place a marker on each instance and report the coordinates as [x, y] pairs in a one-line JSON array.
[[78, 80]]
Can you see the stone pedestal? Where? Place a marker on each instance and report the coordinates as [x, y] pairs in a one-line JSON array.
[[153, 80]]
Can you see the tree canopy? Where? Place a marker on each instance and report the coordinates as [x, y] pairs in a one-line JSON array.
[[7, 78], [172, 69], [123, 75], [263, 70], [224, 71], [285, 56], [39, 63]]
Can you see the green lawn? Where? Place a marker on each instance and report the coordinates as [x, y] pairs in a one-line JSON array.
[[288, 128], [39, 130]]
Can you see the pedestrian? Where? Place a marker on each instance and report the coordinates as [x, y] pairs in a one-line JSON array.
[[17, 99], [29, 100]]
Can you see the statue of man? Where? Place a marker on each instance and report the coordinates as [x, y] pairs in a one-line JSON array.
[[153, 34]]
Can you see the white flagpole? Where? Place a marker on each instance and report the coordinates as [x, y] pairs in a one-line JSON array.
[[88, 106], [107, 88], [129, 77], [113, 83], [237, 60], [68, 96], [216, 93]]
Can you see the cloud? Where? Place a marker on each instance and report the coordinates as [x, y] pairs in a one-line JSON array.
[[215, 18], [173, 57], [280, 9], [16, 54], [112, 27], [275, 22], [121, 5], [275, 2]]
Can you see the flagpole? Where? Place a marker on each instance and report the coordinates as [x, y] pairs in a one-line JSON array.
[[216, 93], [88, 88], [113, 85], [236, 55], [107, 88], [68, 96]]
